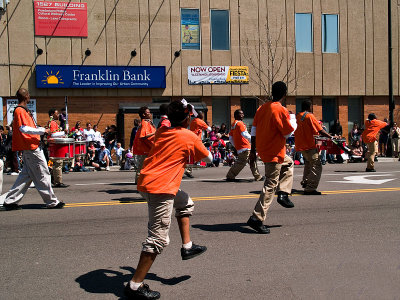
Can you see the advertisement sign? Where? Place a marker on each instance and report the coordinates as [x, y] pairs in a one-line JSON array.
[[190, 29], [218, 74], [60, 18], [1, 110], [106, 77], [13, 103]]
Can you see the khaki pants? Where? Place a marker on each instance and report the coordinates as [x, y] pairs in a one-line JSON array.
[[35, 169], [160, 210], [372, 150], [139, 165], [57, 171], [278, 177], [395, 147], [240, 163], [312, 169]]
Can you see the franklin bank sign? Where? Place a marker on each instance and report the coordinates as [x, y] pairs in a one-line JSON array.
[[108, 77]]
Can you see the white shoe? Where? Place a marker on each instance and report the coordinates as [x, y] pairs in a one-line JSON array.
[[107, 168]]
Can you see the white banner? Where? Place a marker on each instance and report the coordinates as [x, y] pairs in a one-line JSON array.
[[218, 74], [13, 103]]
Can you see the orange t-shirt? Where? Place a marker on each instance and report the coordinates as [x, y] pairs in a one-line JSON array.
[[272, 124], [306, 129], [53, 126], [238, 139], [197, 126], [22, 141], [142, 145], [372, 128], [163, 168]]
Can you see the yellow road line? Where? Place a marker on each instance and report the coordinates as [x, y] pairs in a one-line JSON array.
[[228, 197]]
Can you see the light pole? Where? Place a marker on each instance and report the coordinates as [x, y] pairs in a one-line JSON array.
[[391, 99]]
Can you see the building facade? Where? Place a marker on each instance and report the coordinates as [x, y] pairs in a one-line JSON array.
[[333, 52]]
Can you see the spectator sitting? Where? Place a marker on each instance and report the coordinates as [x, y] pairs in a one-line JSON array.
[[79, 165], [220, 144], [128, 160], [216, 157], [230, 158], [76, 131], [104, 157], [357, 152], [91, 156], [224, 132], [213, 133], [118, 153]]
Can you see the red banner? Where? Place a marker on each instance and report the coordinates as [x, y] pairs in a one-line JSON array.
[[60, 18]]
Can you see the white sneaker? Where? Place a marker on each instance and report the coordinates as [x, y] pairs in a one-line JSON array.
[[107, 168]]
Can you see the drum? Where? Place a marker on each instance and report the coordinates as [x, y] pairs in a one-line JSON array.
[[327, 144], [192, 164], [61, 148], [80, 148]]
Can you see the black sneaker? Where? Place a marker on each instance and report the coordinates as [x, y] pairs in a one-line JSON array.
[[192, 252], [283, 199], [58, 206], [60, 185], [370, 170], [262, 178], [143, 292], [314, 192], [12, 206], [258, 226]]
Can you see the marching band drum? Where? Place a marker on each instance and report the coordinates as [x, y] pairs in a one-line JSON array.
[[332, 147], [80, 148], [61, 148]]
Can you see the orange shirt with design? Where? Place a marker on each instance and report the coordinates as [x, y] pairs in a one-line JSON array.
[[306, 129], [272, 124], [372, 128], [22, 141], [141, 144], [163, 168], [197, 126], [238, 139]]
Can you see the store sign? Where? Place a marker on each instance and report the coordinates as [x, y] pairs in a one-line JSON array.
[[106, 77], [60, 18], [13, 103], [218, 75]]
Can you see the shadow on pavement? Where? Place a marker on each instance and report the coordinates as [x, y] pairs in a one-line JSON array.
[[33, 206], [224, 180], [240, 227], [348, 171], [119, 191], [104, 281], [122, 183]]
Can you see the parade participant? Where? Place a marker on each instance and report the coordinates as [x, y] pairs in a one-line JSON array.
[[164, 118], [240, 139], [26, 139], [271, 127], [55, 131], [307, 127], [371, 129], [144, 139], [159, 183]]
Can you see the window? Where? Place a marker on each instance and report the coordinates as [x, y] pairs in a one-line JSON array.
[[330, 33], [329, 112], [220, 111], [355, 112], [220, 39], [249, 107], [304, 33], [190, 29]]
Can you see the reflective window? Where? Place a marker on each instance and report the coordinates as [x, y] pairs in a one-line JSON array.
[[220, 37], [330, 33], [355, 112], [190, 29], [249, 107], [304, 33], [221, 111]]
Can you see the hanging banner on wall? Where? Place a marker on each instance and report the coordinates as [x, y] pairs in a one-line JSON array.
[[13, 103], [190, 29], [106, 77], [60, 18], [218, 74]]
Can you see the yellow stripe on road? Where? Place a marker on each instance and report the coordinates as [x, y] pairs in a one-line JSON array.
[[229, 197]]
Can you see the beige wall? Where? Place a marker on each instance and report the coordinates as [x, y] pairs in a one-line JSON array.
[[115, 28]]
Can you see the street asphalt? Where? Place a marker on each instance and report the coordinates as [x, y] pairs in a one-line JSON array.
[[344, 244]]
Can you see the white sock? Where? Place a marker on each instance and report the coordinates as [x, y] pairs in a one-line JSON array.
[[134, 285], [188, 245]]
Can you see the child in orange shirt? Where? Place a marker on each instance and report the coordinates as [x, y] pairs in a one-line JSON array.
[[159, 183]]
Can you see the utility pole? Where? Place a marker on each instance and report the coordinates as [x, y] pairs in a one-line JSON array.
[[391, 99]]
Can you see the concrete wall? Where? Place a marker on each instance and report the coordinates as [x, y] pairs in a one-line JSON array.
[[152, 28]]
